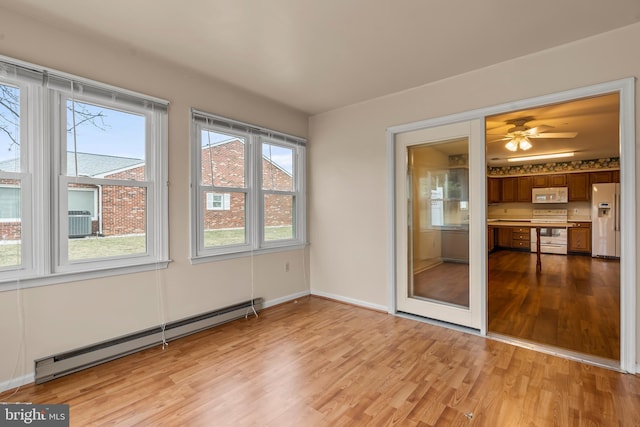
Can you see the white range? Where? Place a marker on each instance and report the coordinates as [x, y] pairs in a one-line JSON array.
[[553, 240]]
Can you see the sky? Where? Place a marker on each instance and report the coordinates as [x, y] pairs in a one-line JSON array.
[[117, 133]]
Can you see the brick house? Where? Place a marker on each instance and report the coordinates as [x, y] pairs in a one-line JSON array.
[[120, 209], [223, 166]]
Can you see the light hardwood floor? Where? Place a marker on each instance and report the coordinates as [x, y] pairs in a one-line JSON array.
[[322, 363]]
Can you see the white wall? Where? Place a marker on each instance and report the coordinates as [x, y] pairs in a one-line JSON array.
[[42, 321], [348, 206]]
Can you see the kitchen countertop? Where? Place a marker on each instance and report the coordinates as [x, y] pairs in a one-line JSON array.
[[529, 223]]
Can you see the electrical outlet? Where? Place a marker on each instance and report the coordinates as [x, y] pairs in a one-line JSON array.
[[286, 267]]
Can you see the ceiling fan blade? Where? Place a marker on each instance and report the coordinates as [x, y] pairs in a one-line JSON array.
[[538, 129], [496, 139], [555, 135]]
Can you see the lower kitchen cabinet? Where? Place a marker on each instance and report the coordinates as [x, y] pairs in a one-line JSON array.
[[521, 238], [579, 238], [504, 237], [513, 238]]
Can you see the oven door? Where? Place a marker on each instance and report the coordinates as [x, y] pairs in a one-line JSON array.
[[552, 240], [553, 233]]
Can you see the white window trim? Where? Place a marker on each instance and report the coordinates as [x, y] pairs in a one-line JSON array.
[[254, 208], [41, 151], [95, 201], [225, 201], [9, 186]]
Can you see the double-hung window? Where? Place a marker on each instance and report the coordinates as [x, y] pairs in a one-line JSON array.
[[247, 188], [83, 172]]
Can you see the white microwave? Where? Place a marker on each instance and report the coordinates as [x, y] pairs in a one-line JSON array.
[[550, 195]]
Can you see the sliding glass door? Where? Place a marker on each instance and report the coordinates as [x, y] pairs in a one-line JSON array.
[[434, 211]]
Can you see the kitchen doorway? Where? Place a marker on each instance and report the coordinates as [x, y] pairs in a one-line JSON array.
[[543, 164], [491, 192]]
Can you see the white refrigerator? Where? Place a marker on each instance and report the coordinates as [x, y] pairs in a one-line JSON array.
[[605, 220]]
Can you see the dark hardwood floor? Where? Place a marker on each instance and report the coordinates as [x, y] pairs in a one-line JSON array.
[[574, 303], [322, 363]]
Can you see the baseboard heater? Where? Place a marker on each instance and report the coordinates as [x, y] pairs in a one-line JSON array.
[[52, 367]]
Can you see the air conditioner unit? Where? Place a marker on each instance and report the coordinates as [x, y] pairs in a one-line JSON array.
[[79, 223]]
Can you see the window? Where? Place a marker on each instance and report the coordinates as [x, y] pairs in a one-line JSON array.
[[248, 188], [218, 202], [82, 177]]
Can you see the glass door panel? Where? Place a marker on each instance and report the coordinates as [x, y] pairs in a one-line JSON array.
[[439, 225], [434, 213]]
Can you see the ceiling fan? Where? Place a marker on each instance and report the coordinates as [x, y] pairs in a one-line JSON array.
[[518, 136]]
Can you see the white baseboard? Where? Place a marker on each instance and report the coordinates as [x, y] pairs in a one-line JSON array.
[[17, 382], [351, 301], [284, 299]]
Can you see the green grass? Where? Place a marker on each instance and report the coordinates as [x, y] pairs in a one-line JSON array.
[[10, 254], [103, 247], [235, 236]]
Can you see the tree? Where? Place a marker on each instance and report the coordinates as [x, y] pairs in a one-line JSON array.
[[10, 116]]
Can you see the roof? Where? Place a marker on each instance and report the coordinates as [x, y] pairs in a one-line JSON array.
[[94, 165]]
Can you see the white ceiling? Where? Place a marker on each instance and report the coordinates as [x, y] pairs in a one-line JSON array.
[[317, 55]]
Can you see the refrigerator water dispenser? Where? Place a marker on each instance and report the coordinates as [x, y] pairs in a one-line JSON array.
[[603, 210]]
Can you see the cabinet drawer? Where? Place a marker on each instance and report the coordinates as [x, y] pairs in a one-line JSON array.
[[520, 244], [515, 235]]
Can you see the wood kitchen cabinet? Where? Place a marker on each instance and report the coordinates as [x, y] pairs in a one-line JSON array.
[[524, 189], [540, 181], [557, 180], [491, 238], [509, 189], [579, 187], [521, 238], [579, 238], [600, 176], [504, 237], [494, 190], [513, 237], [615, 176], [554, 180]]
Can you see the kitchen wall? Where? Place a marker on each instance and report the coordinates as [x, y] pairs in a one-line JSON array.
[[350, 250], [576, 211], [42, 321]]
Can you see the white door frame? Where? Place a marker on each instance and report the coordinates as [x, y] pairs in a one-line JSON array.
[[470, 316], [625, 87]]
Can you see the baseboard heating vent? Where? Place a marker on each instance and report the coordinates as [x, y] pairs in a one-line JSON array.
[[52, 367]]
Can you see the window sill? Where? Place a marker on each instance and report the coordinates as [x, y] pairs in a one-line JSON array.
[[57, 278], [201, 259]]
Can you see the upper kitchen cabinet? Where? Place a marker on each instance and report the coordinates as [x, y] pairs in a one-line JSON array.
[[601, 176], [524, 189], [510, 189], [544, 181], [494, 190], [579, 187]]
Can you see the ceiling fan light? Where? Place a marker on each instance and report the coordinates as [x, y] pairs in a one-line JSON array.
[[525, 144], [512, 145]]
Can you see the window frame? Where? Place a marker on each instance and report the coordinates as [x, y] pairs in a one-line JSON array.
[[42, 177], [255, 137]]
